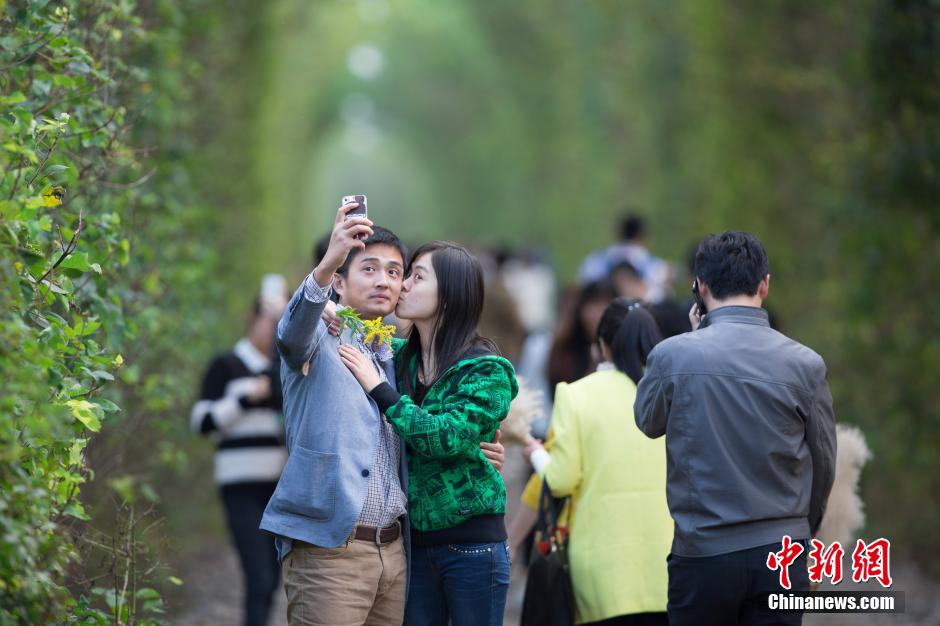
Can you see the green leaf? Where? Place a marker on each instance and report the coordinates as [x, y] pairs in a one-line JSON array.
[[124, 256], [124, 487], [14, 98], [76, 450], [176, 581], [79, 261], [149, 493], [147, 593], [84, 412], [77, 510], [107, 406], [56, 168]]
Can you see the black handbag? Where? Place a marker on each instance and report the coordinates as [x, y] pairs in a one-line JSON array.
[[549, 597]]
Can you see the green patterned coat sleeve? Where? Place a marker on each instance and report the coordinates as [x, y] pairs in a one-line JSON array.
[[473, 407]]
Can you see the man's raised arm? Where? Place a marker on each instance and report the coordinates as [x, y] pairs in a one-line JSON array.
[[299, 332]]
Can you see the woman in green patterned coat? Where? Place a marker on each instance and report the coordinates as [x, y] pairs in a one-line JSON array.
[[456, 391]]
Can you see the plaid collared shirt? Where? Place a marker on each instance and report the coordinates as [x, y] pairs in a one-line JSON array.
[[385, 500]]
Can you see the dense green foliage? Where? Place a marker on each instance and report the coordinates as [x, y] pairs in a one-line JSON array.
[[101, 267]]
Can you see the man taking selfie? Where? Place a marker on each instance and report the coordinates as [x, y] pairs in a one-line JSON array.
[[750, 441], [339, 509]]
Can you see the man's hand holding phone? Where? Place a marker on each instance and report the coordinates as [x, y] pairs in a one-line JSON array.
[[695, 316], [698, 310], [348, 233]]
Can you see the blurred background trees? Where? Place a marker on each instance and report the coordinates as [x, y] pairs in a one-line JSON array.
[[207, 143]]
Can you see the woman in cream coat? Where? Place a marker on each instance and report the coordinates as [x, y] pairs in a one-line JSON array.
[[621, 531]]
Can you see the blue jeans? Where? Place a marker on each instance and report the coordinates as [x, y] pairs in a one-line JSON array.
[[465, 583]]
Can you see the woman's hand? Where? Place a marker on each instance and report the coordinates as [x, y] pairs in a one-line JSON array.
[[495, 452], [536, 454], [261, 390], [330, 318], [360, 366], [530, 448]]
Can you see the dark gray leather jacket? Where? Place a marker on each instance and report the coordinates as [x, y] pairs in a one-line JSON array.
[[750, 432]]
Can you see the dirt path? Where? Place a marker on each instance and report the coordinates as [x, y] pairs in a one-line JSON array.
[[211, 596], [212, 591]]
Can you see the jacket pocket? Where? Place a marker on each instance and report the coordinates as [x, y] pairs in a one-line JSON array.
[[318, 553], [308, 484]]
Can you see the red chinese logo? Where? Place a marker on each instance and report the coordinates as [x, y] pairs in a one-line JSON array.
[[872, 561], [783, 559], [825, 562]]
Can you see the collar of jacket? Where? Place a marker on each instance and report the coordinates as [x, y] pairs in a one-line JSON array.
[[737, 315], [471, 357]]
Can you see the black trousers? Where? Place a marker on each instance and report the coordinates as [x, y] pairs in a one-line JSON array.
[[731, 589], [244, 506]]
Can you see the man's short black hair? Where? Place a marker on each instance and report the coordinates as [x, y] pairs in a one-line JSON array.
[[632, 227], [379, 236], [731, 264]]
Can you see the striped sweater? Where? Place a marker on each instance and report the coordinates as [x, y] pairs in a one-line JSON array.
[[249, 437]]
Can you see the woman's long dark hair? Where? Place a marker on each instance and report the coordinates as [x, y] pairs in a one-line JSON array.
[[631, 332], [570, 355], [460, 295]]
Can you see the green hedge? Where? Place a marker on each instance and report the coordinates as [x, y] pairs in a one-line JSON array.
[[102, 262]]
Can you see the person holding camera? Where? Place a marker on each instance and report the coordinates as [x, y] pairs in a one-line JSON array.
[[239, 409], [750, 441], [339, 512]]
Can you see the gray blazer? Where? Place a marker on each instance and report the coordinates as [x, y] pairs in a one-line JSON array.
[[332, 430], [750, 433]]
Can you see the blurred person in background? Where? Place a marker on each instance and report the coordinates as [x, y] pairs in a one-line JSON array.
[[530, 281], [656, 273], [671, 321], [628, 282], [500, 320], [571, 356], [671, 316], [620, 529], [240, 410]]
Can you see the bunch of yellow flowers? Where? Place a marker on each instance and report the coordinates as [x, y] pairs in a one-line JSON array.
[[376, 330], [375, 334]]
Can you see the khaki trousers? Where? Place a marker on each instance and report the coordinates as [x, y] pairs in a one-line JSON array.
[[356, 584]]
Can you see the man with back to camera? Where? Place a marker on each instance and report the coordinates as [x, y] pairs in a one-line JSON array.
[[339, 509], [750, 442]]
